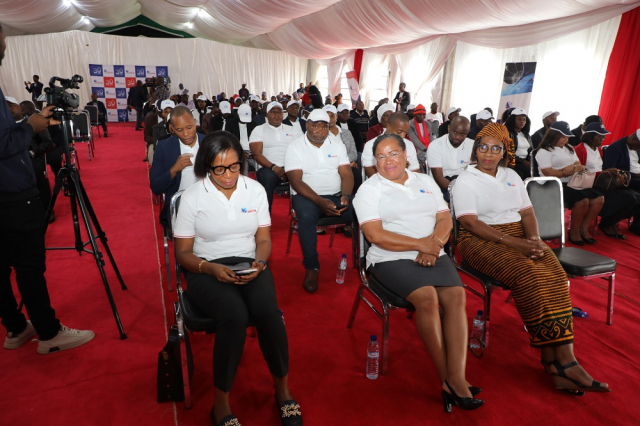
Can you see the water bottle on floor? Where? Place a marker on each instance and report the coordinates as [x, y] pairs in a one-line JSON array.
[[342, 270], [477, 331], [77, 133], [373, 357]]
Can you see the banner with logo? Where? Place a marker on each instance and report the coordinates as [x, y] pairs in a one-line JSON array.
[[354, 86], [112, 83], [517, 85]]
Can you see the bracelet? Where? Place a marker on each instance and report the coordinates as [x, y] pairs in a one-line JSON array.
[[534, 238], [200, 265], [497, 242], [273, 166], [439, 240]]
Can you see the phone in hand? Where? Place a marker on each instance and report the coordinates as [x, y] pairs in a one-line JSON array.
[[245, 271]]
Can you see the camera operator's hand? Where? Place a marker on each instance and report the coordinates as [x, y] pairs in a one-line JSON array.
[[183, 161], [40, 122]]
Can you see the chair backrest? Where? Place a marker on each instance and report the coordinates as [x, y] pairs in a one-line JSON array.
[[81, 121], [93, 113], [546, 197], [534, 164], [365, 245], [453, 240], [173, 209], [433, 129]]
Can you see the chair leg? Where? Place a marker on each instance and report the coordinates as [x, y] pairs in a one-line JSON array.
[[185, 366], [356, 305], [332, 231], [290, 235], [167, 262], [611, 293], [385, 338]]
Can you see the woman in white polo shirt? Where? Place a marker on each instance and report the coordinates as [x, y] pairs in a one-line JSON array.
[[223, 221], [499, 237], [404, 216], [556, 157]]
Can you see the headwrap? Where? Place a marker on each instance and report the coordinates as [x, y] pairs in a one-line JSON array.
[[501, 133], [384, 108]]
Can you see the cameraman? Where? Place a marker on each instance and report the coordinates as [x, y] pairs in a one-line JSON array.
[[22, 247]]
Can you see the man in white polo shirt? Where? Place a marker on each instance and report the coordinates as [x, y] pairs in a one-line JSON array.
[[398, 124], [320, 174], [449, 155], [172, 168], [268, 143]]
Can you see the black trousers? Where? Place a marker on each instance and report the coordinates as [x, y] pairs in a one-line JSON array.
[[22, 248], [102, 119], [139, 117], [40, 167], [269, 180], [234, 307]]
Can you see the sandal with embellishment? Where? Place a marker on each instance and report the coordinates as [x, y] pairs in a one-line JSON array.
[[290, 413], [229, 420]]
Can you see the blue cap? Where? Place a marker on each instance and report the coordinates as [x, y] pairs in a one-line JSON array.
[[596, 128], [374, 338], [563, 128], [308, 108]]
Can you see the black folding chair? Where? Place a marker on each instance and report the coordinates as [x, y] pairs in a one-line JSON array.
[[81, 123], [93, 116]]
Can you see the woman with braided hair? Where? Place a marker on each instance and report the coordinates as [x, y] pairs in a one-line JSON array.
[[499, 237]]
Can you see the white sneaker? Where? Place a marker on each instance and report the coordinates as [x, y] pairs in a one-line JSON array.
[[14, 341], [67, 338]]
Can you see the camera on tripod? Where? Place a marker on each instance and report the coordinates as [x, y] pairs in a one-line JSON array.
[[58, 96]]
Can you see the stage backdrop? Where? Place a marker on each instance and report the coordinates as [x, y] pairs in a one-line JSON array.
[[112, 83]]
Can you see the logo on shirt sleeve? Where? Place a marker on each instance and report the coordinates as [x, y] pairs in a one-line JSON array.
[[245, 210]]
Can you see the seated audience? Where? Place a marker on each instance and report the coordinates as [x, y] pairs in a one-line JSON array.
[[419, 132], [339, 134], [548, 118], [172, 168], [452, 113], [483, 118], [407, 222], [623, 155], [153, 117], [499, 237], [361, 117], [200, 111], [449, 155], [212, 236], [373, 120], [556, 157], [256, 110], [433, 114], [160, 130], [619, 203], [409, 111], [383, 113], [398, 125], [293, 119], [519, 127], [319, 171], [268, 144], [347, 124], [505, 115], [578, 131], [102, 112], [245, 126], [218, 120]]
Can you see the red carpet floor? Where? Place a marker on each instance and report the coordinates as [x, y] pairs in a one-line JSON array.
[[111, 381]]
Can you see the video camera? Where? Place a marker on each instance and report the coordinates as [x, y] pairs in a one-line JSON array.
[[60, 98], [151, 81]]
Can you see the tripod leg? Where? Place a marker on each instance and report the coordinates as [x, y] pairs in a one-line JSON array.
[[100, 233]]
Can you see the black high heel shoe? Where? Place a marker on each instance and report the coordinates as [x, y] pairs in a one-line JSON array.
[[573, 392], [474, 390], [450, 399]]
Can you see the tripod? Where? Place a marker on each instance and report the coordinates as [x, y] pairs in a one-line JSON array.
[[68, 179]]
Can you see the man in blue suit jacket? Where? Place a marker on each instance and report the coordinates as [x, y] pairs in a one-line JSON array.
[[173, 159], [619, 155]]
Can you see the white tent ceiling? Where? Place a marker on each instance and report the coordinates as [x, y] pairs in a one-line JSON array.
[[324, 29]]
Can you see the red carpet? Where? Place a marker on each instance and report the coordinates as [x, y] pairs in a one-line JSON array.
[[110, 381]]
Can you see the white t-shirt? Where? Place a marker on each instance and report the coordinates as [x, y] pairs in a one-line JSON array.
[[408, 209], [523, 146], [453, 161], [495, 200], [594, 161], [274, 140], [244, 137], [634, 166], [296, 125], [437, 116], [319, 165], [369, 160], [221, 227], [188, 178], [557, 159]]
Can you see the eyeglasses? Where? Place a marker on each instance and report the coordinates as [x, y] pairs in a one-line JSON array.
[[220, 170], [380, 158], [495, 149]]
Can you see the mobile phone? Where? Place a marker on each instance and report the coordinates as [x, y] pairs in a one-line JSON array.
[[240, 266], [245, 271]]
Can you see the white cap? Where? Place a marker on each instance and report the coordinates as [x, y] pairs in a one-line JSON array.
[[318, 115], [254, 98], [518, 111], [292, 103], [202, 98], [384, 108], [410, 107], [452, 110], [330, 108], [274, 104], [12, 100], [343, 107], [483, 115], [548, 113], [225, 107], [244, 113], [167, 104]]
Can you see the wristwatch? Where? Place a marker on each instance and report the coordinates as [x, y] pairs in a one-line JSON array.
[[266, 264], [347, 195]]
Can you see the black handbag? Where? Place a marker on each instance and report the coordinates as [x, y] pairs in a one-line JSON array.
[[609, 179], [170, 383]]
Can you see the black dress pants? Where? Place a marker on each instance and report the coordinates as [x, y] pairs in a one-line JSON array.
[[22, 248], [234, 307]]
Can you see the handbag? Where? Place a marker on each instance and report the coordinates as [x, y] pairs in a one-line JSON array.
[[609, 179], [582, 180], [170, 383]]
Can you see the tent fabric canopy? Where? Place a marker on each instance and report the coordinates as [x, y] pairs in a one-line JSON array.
[[327, 29]]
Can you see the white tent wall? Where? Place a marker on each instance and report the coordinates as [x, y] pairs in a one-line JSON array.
[[570, 74], [201, 65]]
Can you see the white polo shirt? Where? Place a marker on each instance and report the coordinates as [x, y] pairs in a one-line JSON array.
[[369, 160], [408, 209], [437, 116], [244, 136], [274, 140], [557, 159], [221, 227], [188, 178], [594, 161], [495, 200], [523, 146], [319, 165], [453, 161], [634, 166]]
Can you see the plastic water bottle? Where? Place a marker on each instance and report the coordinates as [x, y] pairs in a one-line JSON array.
[[77, 133], [342, 270], [477, 331], [373, 357]]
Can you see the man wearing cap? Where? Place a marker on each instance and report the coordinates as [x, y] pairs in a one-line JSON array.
[[383, 114], [623, 155], [452, 113], [102, 112], [577, 132], [548, 118], [256, 110], [434, 115], [268, 144], [172, 168], [419, 132], [409, 112], [161, 130], [292, 119], [136, 100], [320, 174], [483, 118], [218, 121], [346, 123], [200, 111], [245, 126], [244, 92], [449, 155], [360, 116]]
